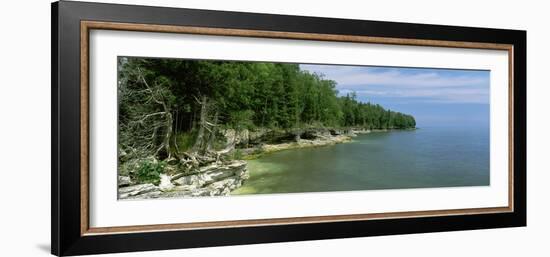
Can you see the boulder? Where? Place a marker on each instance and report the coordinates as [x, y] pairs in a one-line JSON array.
[[185, 188], [149, 195], [212, 180], [236, 137], [130, 191], [178, 192], [165, 183], [124, 181], [239, 164], [201, 192], [189, 180], [226, 191], [217, 175]]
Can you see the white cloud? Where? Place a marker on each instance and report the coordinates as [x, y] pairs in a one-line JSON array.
[[429, 85]]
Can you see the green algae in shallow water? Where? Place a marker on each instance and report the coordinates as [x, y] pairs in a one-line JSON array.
[[426, 158], [266, 177]]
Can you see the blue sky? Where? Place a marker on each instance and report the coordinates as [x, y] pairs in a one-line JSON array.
[[433, 96]]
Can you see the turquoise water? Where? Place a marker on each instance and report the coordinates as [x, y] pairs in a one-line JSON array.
[[422, 158]]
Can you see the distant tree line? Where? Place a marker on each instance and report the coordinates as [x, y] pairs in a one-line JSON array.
[[159, 99]]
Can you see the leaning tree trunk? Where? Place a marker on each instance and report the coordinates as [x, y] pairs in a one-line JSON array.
[[202, 125], [213, 132], [168, 135], [161, 121]]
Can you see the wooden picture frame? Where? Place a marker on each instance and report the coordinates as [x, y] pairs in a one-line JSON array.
[[71, 25]]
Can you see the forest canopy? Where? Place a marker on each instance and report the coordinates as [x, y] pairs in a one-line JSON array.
[[178, 103]]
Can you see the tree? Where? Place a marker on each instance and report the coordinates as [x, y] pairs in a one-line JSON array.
[[161, 99], [145, 112]]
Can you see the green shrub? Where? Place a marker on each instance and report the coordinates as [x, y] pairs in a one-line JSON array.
[[149, 171]]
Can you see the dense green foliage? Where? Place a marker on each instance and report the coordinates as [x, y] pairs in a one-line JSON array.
[[149, 171], [239, 95]]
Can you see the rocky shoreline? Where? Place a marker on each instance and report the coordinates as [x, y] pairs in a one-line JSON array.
[[216, 179], [254, 144], [302, 143], [219, 178], [324, 138]]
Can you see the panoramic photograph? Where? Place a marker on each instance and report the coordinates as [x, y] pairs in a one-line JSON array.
[[202, 128]]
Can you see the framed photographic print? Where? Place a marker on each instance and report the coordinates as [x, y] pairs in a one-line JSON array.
[[177, 128]]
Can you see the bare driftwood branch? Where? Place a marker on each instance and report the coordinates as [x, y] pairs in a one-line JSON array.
[[147, 129]]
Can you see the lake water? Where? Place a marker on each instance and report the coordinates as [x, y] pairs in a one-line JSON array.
[[426, 157]]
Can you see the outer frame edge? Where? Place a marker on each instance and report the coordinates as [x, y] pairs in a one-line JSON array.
[[520, 123], [55, 231], [69, 244]]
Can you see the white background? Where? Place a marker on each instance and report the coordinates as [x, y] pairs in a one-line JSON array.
[[25, 134]]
